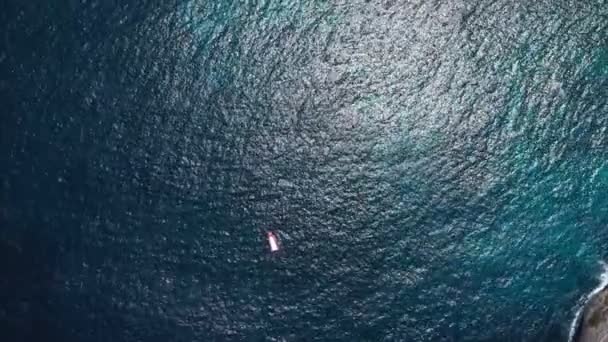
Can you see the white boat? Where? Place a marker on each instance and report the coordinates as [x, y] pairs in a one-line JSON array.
[[273, 242]]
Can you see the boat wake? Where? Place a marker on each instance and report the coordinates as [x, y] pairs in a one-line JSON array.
[[603, 284]]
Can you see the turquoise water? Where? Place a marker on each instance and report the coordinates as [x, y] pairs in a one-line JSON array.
[[436, 171]]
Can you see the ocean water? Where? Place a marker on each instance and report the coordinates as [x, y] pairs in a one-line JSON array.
[[435, 170]]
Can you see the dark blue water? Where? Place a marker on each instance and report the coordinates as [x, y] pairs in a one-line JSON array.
[[436, 171]]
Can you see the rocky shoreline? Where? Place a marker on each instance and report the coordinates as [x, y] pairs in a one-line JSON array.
[[593, 322]]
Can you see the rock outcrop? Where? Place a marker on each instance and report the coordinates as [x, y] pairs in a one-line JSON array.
[[593, 324]]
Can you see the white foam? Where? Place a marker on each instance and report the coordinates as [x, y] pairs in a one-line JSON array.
[[603, 284]]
